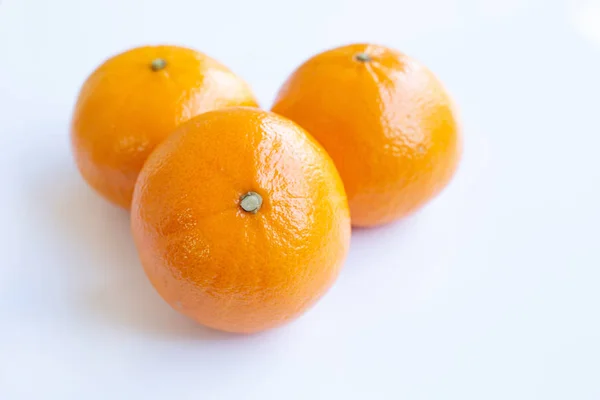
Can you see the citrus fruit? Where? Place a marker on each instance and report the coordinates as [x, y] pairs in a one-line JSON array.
[[386, 121], [240, 220], [134, 100]]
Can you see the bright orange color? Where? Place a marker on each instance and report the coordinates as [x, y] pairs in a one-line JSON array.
[[386, 121], [225, 267], [134, 100]]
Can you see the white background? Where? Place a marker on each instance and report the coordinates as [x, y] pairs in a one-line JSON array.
[[491, 292]]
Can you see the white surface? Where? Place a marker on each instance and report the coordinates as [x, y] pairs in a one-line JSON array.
[[491, 292]]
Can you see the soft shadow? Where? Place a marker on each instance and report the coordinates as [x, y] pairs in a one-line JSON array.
[[93, 243], [367, 244]]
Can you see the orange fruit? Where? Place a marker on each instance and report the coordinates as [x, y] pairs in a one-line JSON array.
[[240, 220], [134, 100], [386, 121]]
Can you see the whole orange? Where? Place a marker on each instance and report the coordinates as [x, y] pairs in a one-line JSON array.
[[386, 121], [134, 100], [240, 219]]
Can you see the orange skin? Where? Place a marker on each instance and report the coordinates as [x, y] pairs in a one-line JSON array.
[[386, 121], [127, 107], [213, 261]]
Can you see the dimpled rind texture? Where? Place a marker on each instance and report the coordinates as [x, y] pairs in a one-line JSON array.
[[218, 264], [388, 124], [125, 109]]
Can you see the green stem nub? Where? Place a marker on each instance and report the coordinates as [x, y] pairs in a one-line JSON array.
[[362, 57], [251, 202], [158, 64]]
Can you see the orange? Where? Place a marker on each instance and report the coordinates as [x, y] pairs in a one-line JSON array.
[[240, 220], [386, 121], [134, 100]]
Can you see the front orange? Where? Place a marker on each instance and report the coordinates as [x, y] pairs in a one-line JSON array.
[[386, 121], [241, 220], [134, 100]]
